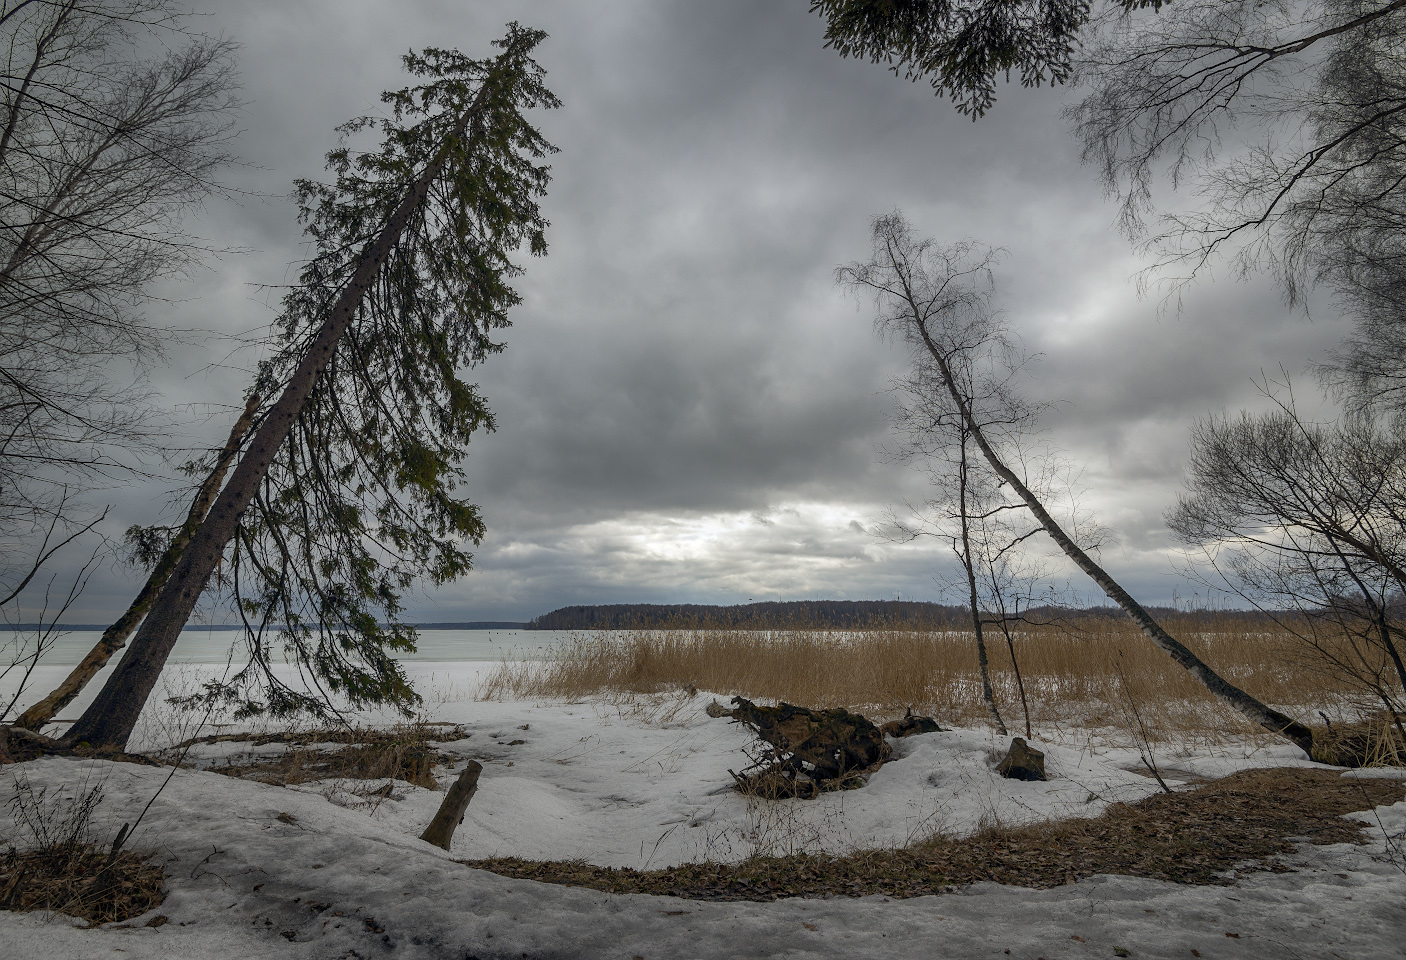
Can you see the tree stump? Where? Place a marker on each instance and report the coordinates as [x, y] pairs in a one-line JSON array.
[[440, 832], [1023, 762]]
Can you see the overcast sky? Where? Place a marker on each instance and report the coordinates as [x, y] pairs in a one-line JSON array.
[[689, 409]]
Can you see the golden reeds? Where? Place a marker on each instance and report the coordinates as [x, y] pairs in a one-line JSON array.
[[1077, 671]]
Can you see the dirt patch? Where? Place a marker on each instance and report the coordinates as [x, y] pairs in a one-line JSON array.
[[1243, 821], [77, 884]]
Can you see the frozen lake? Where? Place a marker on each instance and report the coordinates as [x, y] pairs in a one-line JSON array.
[[204, 645], [202, 654]]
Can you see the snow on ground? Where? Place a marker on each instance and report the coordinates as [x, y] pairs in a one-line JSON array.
[[610, 785], [320, 870]]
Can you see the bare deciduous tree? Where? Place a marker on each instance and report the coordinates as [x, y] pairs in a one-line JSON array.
[[1011, 586], [911, 281], [967, 506], [105, 143], [1310, 518], [1285, 116], [1356, 234]]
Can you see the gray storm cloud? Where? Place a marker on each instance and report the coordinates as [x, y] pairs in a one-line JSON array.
[[688, 408]]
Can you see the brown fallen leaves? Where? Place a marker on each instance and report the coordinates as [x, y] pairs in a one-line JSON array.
[[1191, 837], [74, 882]]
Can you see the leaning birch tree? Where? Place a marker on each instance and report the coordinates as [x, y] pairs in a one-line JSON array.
[[912, 283], [346, 489]]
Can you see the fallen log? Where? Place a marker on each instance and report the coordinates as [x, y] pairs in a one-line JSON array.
[[18, 744]]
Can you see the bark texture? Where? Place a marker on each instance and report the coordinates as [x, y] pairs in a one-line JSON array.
[[109, 721], [451, 810], [115, 636]]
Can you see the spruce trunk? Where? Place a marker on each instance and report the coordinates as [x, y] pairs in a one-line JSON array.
[[115, 636], [109, 720]]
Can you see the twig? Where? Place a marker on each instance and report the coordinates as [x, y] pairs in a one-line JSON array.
[[1144, 740]]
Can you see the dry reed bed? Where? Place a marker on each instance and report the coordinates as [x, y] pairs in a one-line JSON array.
[[1093, 671]]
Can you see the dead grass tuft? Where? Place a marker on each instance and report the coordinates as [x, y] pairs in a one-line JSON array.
[[405, 752], [1375, 741], [1240, 823], [79, 884]]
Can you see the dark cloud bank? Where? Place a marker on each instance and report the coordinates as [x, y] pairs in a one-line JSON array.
[[689, 410]]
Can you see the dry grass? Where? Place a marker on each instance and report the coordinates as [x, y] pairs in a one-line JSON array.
[[1374, 741], [1080, 672], [404, 752], [60, 868], [1243, 821], [81, 883]]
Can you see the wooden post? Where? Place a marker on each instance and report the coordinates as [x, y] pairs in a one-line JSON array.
[[451, 812]]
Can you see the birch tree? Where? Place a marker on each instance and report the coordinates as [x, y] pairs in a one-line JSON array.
[[104, 147], [965, 505], [912, 282]]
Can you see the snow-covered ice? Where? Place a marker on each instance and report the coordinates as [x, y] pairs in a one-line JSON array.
[[321, 870]]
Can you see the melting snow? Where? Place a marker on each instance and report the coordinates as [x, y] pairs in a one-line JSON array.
[[322, 870]]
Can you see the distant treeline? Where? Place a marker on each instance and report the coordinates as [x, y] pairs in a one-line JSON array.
[[827, 615], [838, 614]]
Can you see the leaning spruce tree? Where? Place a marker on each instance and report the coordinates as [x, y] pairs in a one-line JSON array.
[[173, 544], [346, 491]]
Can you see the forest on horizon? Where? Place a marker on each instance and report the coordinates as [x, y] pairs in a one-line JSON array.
[[822, 614]]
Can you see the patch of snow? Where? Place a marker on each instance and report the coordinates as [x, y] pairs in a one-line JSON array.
[[330, 870]]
